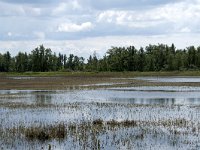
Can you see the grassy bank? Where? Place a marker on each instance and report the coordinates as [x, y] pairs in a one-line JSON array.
[[102, 74]]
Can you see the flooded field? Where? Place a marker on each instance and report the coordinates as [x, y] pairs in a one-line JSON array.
[[139, 117]]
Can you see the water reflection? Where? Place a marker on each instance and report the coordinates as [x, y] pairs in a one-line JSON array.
[[160, 101], [42, 99], [135, 96], [140, 97], [159, 88]]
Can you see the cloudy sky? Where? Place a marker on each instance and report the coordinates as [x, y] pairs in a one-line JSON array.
[[84, 26]]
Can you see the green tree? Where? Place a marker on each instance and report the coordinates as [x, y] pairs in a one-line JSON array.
[[21, 63], [7, 61]]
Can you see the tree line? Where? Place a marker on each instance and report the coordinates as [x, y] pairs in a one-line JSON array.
[[158, 57]]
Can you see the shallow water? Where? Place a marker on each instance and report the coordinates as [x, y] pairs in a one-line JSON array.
[[23, 78], [151, 107], [134, 95], [169, 79]]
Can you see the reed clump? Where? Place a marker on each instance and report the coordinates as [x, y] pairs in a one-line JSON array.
[[47, 133]]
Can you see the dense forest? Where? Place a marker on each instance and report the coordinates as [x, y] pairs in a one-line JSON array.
[[151, 58]]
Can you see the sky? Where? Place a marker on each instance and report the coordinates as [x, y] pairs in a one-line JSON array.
[[84, 26]]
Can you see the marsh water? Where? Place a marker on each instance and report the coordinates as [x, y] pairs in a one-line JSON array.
[[143, 117], [170, 79]]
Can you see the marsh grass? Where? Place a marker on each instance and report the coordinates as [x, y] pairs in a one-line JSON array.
[[97, 134], [46, 133], [78, 80], [62, 130], [24, 106]]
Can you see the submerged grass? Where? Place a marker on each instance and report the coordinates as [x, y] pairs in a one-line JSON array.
[[46, 133], [86, 130], [100, 133]]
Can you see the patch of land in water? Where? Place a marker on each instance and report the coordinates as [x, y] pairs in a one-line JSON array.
[[79, 80]]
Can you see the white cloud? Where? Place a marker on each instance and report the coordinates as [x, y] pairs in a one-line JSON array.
[[32, 11], [18, 10], [177, 14], [87, 46], [185, 30], [39, 35], [71, 27], [76, 5], [66, 7], [115, 24], [9, 34], [10, 10], [130, 19]]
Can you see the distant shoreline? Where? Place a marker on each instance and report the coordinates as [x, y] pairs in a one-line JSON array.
[[101, 74]]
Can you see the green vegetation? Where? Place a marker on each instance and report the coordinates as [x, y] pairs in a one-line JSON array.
[[101, 74], [117, 59]]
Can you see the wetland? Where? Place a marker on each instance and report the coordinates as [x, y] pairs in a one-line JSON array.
[[99, 112]]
